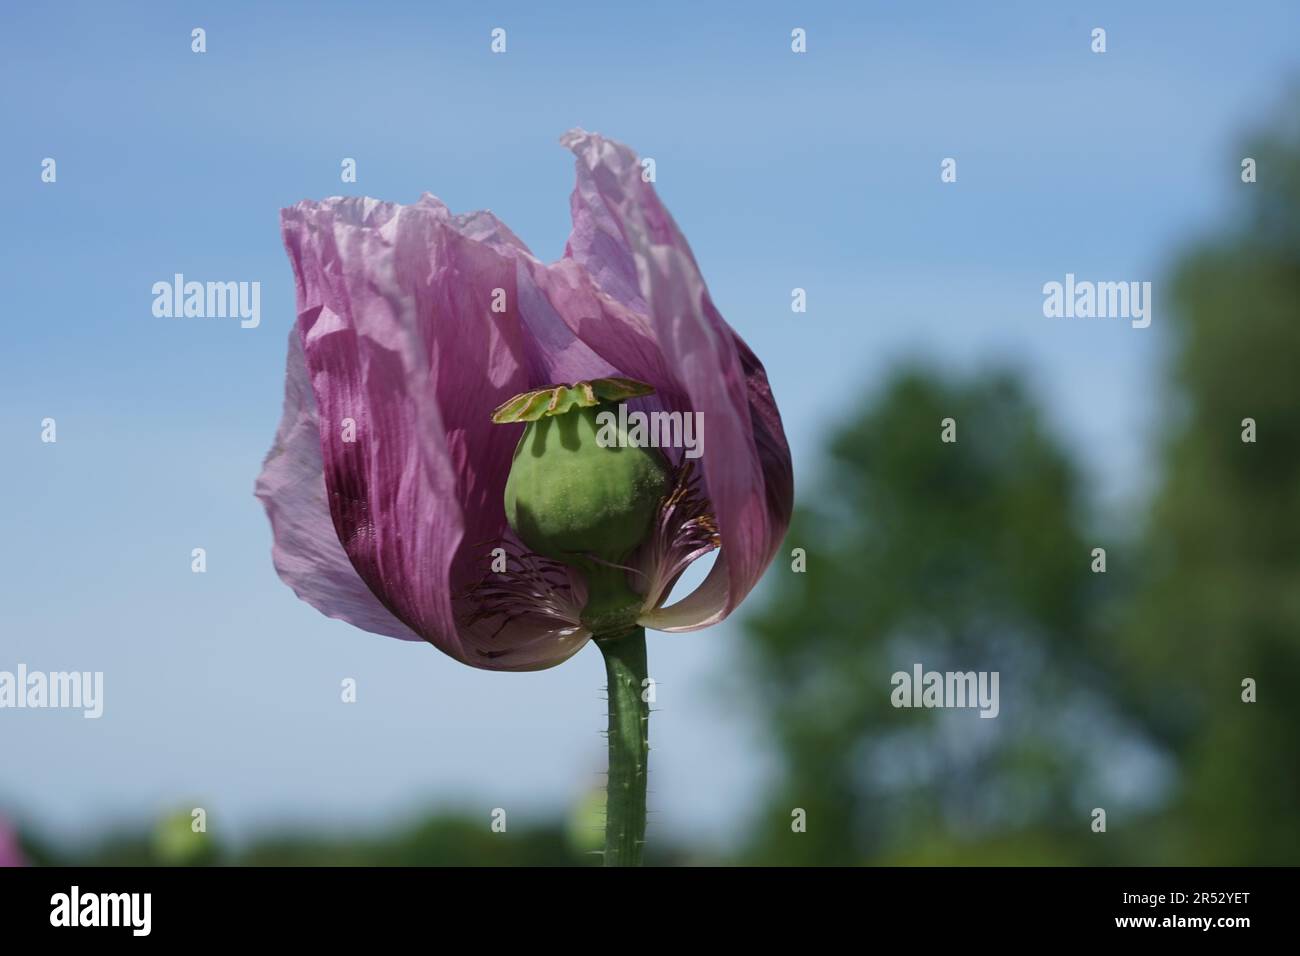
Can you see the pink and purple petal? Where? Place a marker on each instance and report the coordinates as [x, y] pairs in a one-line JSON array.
[[306, 551], [407, 350], [628, 243]]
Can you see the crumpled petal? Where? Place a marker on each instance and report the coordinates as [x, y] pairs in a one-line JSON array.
[[656, 321], [307, 553], [401, 344]]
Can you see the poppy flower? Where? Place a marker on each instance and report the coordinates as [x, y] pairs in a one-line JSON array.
[[434, 357]]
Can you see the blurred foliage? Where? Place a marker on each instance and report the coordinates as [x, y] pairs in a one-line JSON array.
[[1119, 690], [968, 555], [1221, 597], [444, 838]]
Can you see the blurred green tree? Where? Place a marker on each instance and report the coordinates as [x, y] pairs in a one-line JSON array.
[[1221, 601], [964, 555]]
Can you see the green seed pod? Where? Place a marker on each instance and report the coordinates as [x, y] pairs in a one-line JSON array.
[[567, 496], [571, 496]]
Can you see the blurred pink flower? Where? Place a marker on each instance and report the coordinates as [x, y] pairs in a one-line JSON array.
[[10, 853]]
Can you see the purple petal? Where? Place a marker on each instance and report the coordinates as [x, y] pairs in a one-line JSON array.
[[307, 552], [399, 336], [657, 322]]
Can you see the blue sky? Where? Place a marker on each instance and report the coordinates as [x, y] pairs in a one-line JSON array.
[[818, 170]]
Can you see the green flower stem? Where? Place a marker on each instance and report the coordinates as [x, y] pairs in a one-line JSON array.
[[629, 722]]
